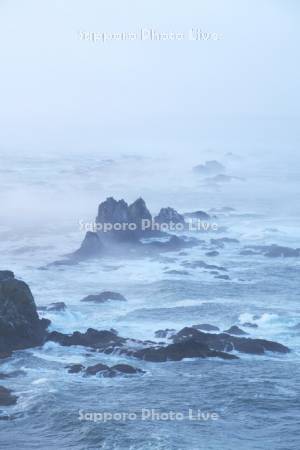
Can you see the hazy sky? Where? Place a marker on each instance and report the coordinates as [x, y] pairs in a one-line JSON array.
[[59, 93]]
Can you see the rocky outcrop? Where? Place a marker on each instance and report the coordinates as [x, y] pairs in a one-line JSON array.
[[273, 251], [138, 212], [168, 216], [20, 325], [167, 333], [103, 297], [226, 342], [91, 247], [206, 327]]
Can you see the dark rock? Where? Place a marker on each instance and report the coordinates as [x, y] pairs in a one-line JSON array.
[[6, 397], [179, 351], [249, 325], [75, 368], [138, 213], [4, 355], [206, 327], [226, 342], [6, 275], [212, 253], [168, 216], [101, 340], [222, 277], [225, 240], [91, 247], [125, 368], [104, 297], [20, 326], [275, 251], [56, 306], [168, 332], [235, 330], [201, 215], [93, 370]]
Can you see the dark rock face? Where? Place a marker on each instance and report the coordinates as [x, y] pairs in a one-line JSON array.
[[104, 297], [20, 326], [138, 212], [6, 397], [206, 327], [113, 211], [169, 215], [235, 330], [226, 342], [6, 275]]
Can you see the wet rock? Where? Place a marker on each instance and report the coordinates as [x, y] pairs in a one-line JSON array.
[[179, 351], [212, 253], [167, 333], [93, 370], [75, 368], [56, 306], [6, 275], [126, 368], [249, 325], [101, 340], [206, 327], [6, 397], [104, 297], [226, 342], [168, 216], [235, 330], [20, 325]]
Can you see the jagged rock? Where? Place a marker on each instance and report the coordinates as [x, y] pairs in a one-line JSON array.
[[226, 342], [249, 325], [113, 211], [169, 215], [167, 333], [212, 253], [206, 327], [104, 297], [138, 212], [75, 368], [235, 330], [91, 247], [6, 397], [20, 326]]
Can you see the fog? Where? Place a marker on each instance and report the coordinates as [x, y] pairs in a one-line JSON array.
[[83, 120]]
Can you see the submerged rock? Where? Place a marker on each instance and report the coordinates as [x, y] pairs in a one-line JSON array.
[[235, 330], [202, 265], [6, 397], [56, 306], [75, 368], [100, 340], [104, 297], [20, 325], [212, 253], [167, 333], [249, 325]]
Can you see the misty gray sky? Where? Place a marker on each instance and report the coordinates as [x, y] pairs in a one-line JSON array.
[[59, 93]]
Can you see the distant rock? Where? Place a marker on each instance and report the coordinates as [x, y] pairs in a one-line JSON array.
[[169, 215], [225, 240], [91, 247], [209, 168], [103, 297], [275, 251], [138, 212], [56, 306], [249, 325], [200, 215], [75, 368], [222, 277], [6, 397], [167, 333], [177, 272], [235, 330], [206, 327], [202, 265], [20, 325]]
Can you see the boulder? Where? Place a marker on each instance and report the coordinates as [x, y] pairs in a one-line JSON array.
[[93, 370], [126, 368], [20, 325], [104, 297], [75, 368]]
